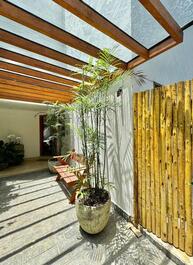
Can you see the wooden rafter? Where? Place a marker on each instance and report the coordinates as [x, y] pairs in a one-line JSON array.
[[90, 16], [18, 92], [17, 57], [158, 49], [32, 46], [35, 73], [14, 95], [20, 98], [161, 14], [33, 22], [33, 93], [34, 81], [33, 88]]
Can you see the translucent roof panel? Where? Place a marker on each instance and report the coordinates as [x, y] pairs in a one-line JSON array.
[[145, 28], [37, 56], [55, 14], [37, 37], [181, 10], [35, 68], [131, 17]]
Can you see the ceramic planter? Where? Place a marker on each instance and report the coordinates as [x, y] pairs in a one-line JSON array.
[[93, 219]]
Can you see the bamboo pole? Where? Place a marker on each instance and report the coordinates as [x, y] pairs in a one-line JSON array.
[[181, 164], [169, 162], [175, 167], [188, 171], [152, 161], [147, 168], [192, 140], [143, 163], [135, 148], [139, 110], [162, 164], [156, 161]]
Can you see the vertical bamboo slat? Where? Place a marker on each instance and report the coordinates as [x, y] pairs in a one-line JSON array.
[[162, 164], [175, 166], [192, 144], [152, 199], [181, 164], [147, 162], [156, 161], [169, 162], [135, 146], [188, 171], [139, 155], [143, 173]]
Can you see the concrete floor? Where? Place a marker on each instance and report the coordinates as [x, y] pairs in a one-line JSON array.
[[25, 167], [39, 226]]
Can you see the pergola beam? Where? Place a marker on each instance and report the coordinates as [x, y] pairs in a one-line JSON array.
[[161, 14], [19, 98], [34, 81], [92, 17], [32, 46], [156, 50], [35, 23], [16, 95], [17, 57], [34, 73], [33, 93], [32, 88]]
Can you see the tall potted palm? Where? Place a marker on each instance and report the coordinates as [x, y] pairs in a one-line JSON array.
[[91, 107], [92, 104]]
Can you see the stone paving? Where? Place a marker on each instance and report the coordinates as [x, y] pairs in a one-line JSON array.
[[39, 226]]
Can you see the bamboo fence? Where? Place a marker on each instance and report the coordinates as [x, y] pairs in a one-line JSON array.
[[163, 163]]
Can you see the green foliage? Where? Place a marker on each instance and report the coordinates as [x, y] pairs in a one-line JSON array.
[[11, 153], [56, 120], [92, 104]]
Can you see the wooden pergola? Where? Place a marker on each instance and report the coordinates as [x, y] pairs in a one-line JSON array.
[[27, 84]]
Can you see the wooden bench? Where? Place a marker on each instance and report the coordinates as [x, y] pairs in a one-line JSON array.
[[69, 176]]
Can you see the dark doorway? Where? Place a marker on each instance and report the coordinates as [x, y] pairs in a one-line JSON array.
[[48, 143]]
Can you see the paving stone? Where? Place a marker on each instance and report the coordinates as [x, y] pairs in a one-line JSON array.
[[38, 226]]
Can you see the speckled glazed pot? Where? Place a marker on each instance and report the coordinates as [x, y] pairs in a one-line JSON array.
[[93, 219]]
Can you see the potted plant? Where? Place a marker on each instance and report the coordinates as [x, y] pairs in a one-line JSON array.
[[92, 104], [11, 153], [3, 163], [56, 122]]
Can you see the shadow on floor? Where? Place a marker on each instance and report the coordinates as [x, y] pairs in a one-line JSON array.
[[8, 185], [45, 230], [6, 196], [116, 244]]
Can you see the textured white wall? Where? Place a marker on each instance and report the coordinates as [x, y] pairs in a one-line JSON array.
[[19, 119], [173, 65]]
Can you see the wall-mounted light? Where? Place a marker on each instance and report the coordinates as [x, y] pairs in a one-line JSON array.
[[119, 92]]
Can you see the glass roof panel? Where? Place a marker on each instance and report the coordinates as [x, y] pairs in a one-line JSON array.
[[37, 56], [35, 36], [40, 70], [128, 15], [181, 10], [53, 13], [131, 17]]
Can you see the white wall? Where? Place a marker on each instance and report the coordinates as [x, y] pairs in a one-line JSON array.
[[173, 65], [19, 119]]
